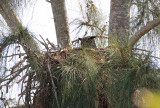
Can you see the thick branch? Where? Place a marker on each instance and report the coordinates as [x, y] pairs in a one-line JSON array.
[[143, 31]]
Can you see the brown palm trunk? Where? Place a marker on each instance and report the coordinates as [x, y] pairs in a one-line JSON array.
[[119, 20], [61, 22]]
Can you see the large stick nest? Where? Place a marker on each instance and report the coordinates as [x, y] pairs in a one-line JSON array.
[[79, 77]]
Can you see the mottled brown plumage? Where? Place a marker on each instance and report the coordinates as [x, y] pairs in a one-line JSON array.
[[88, 42]]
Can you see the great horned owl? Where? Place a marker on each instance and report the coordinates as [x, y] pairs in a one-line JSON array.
[[88, 42]]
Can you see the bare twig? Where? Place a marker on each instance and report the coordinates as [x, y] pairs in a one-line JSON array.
[[17, 65], [20, 54], [17, 74], [52, 45], [53, 84], [142, 50]]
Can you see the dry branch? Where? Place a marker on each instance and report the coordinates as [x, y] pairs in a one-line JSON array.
[[17, 65]]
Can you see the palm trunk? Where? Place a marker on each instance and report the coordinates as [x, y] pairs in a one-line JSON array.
[[61, 22], [119, 21]]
